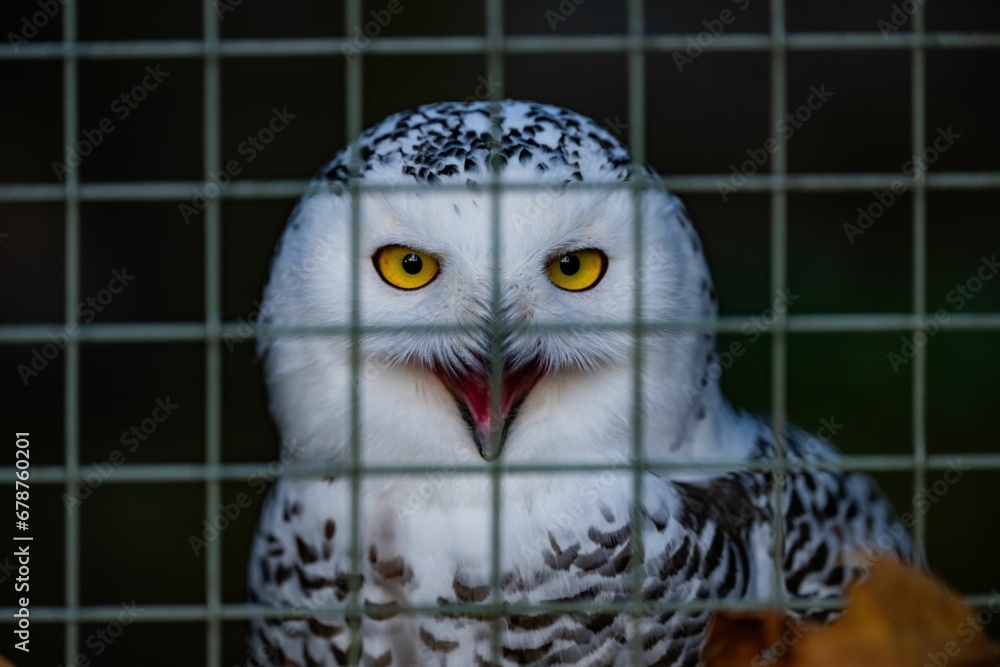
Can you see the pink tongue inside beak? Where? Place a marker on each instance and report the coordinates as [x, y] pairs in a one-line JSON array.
[[474, 394]]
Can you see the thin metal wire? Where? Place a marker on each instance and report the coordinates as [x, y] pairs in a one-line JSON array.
[[637, 143], [157, 332], [211, 151], [241, 611], [690, 184], [779, 349], [515, 44], [495, 45], [354, 89], [919, 129], [72, 377], [193, 472]]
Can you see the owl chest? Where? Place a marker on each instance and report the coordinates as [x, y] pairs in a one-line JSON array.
[[428, 540], [439, 560], [543, 541]]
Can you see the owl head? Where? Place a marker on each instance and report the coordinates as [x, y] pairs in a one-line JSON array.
[[499, 283]]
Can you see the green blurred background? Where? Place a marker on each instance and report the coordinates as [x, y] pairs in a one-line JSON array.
[[703, 120]]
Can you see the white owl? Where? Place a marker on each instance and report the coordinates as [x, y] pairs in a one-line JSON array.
[[458, 345]]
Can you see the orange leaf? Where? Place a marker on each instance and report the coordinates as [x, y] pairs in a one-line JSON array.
[[899, 616]]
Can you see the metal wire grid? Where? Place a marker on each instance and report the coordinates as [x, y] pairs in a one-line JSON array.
[[495, 45]]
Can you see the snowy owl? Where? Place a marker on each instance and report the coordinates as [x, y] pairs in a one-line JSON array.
[[455, 345]]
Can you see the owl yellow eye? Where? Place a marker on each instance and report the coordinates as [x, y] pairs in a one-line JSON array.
[[404, 267], [578, 270]]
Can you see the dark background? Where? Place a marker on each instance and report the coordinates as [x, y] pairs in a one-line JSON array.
[[701, 121]]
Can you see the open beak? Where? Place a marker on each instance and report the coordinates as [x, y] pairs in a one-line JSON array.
[[489, 419]]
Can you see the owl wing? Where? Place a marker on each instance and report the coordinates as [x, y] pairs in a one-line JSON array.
[[835, 522], [299, 560]]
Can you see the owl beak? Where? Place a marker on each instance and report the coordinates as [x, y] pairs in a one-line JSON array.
[[489, 410]]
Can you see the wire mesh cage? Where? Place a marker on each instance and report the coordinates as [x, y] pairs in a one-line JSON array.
[[839, 163]]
